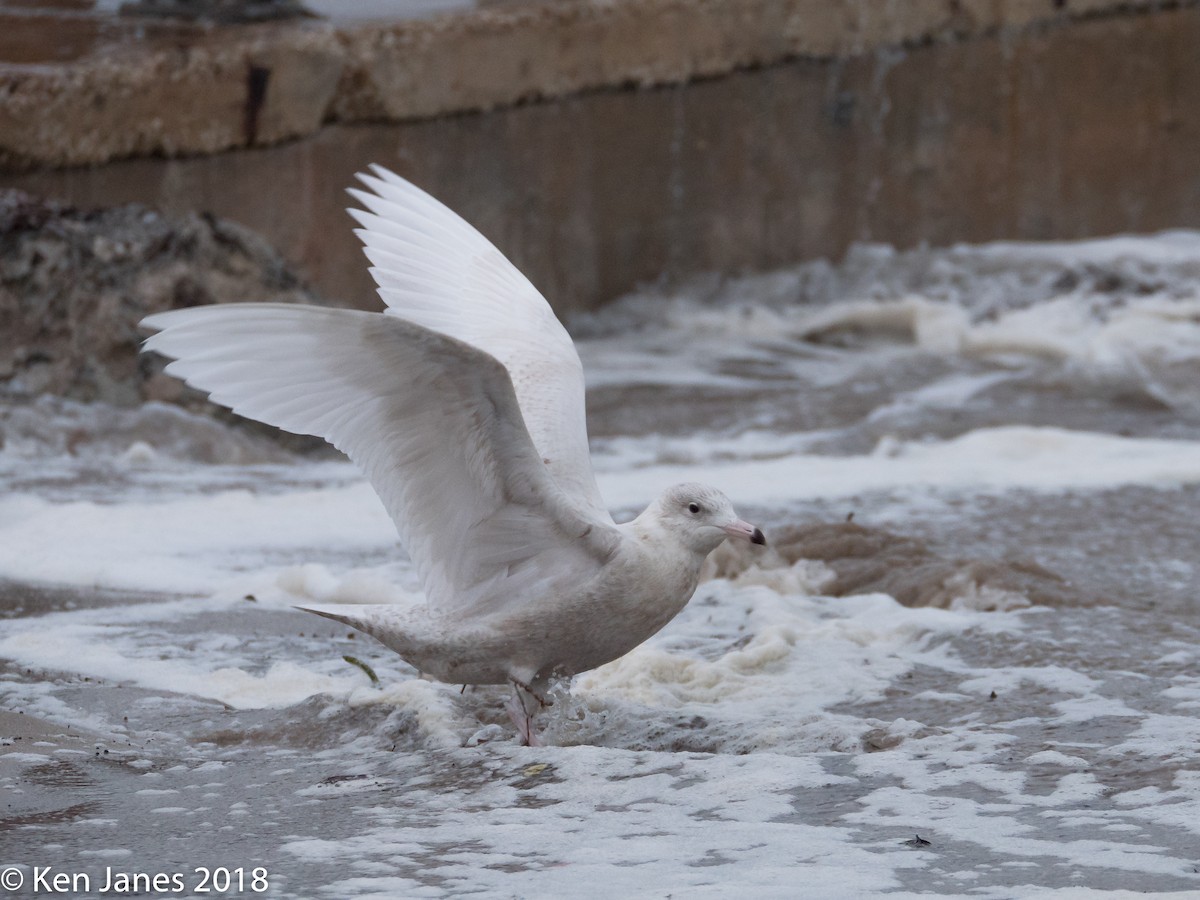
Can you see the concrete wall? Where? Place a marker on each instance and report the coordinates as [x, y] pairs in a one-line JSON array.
[[1037, 127]]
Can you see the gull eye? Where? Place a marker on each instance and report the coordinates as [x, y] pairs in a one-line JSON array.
[[693, 507]]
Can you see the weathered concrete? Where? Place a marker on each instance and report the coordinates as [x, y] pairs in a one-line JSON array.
[[85, 88], [1020, 132], [204, 96]]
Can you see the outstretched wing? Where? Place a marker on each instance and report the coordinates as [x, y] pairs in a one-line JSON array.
[[433, 422], [435, 269]]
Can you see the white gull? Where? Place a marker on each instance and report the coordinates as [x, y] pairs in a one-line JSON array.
[[464, 404]]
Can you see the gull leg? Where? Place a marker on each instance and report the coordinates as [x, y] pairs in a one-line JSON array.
[[521, 706]]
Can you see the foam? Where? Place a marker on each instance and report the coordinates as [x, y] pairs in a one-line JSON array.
[[126, 646], [184, 544], [983, 461], [209, 542], [1065, 329]]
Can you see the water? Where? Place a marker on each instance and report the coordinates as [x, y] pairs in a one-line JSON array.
[[1013, 433]]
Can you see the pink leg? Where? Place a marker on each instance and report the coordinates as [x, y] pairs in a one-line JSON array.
[[517, 707]]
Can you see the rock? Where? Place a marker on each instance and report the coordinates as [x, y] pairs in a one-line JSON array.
[[74, 284], [867, 560]]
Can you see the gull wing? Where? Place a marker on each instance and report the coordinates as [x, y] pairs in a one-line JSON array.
[[435, 269], [434, 423]]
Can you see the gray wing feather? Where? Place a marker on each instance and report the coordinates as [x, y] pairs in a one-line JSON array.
[[433, 421]]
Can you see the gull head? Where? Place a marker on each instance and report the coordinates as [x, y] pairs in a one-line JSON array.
[[702, 517]]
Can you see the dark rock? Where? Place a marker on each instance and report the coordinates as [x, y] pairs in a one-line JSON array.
[[867, 560], [74, 284]]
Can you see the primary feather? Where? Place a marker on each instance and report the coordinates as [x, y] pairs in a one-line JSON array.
[[436, 270]]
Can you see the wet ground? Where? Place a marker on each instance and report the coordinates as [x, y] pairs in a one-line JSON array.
[[165, 709]]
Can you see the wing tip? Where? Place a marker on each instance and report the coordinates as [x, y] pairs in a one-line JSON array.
[[151, 326], [385, 173]]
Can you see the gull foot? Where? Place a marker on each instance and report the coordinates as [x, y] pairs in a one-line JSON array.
[[518, 708]]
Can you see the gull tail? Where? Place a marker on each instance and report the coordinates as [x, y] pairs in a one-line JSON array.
[[379, 621], [392, 627], [352, 616]]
